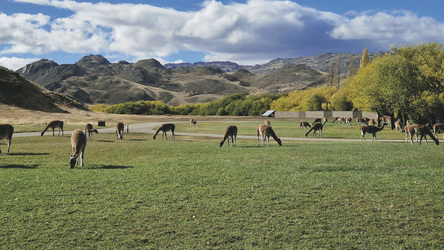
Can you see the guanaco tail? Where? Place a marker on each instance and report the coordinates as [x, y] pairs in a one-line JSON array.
[[119, 127], [89, 130], [164, 128], [54, 125], [6, 132], [371, 130], [231, 131], [264, 132], [315, 127], [78, 143]]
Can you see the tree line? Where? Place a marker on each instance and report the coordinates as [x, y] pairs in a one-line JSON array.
[[235, 104], [406, 83]]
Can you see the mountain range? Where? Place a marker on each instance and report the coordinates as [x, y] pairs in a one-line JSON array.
[[95, 80]]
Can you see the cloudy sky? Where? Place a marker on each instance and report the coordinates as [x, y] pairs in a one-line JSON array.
[[242, 31]]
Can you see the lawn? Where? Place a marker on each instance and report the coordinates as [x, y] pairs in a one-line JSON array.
[[190, 193]]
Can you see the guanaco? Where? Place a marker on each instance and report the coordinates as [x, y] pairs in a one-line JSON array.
[[398, 126], [89, 130], [6, 132], [78, 143], [231, 131], [119, 127], [438, 128], [164, 128], [370, 129], [265, 131], [54, 125], [304, 125], [315, 127], [423, 131], [193, 122]]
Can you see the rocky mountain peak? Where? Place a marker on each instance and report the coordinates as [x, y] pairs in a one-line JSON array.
[[92, 61]]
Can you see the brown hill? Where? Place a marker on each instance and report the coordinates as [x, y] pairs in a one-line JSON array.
[[20, 92], [94, 80]]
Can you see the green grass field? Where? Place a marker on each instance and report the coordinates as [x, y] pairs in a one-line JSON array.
[[190, 193]]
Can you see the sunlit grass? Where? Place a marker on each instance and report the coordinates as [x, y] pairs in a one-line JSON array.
[[140, 193]]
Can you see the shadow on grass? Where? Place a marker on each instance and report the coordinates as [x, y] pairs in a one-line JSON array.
[[106, 141], [106, 167], [138, 139], [20, 166], [27, 154]]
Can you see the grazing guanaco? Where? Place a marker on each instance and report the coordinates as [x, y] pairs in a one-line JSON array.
[[304, 125], [6, 132], [164, 128], [231, 131], [193, 122], [386, 119], [54, 125], [371, 130], [348, 121], [78, 143], [438, 128], [315, 127], [421, 130], [398, 126], [119, 127], [361, 121], [372, 122], [264, 132], [89, 130]]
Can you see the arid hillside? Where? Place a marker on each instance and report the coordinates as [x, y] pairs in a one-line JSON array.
[[94, 80], [17, 91]]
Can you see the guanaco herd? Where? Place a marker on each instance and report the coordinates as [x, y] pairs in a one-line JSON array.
[[263, 131]]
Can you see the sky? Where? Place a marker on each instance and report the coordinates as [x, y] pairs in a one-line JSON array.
[[247, 32]]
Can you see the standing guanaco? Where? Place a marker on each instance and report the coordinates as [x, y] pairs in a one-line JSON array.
[[6, 132], [371, 130]]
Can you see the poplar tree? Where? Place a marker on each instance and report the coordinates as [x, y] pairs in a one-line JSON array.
[[365, 59]]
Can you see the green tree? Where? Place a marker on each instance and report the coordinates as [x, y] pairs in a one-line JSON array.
[[401, 84]]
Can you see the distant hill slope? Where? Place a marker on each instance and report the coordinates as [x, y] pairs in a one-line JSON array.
[[17, 91], [319, 62], [93, 80]]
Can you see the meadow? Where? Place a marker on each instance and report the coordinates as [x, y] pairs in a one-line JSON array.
[[191, 193]]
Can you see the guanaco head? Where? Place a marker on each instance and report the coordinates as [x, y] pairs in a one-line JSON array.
[[73, 160], [279, 141]]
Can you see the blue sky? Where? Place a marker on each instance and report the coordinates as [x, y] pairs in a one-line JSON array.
[[246, 32]]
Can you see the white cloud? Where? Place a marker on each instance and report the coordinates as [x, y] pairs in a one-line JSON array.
[[14, 63], [243, 32]]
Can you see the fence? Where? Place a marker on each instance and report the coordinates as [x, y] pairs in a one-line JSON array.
[[325, 114]]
